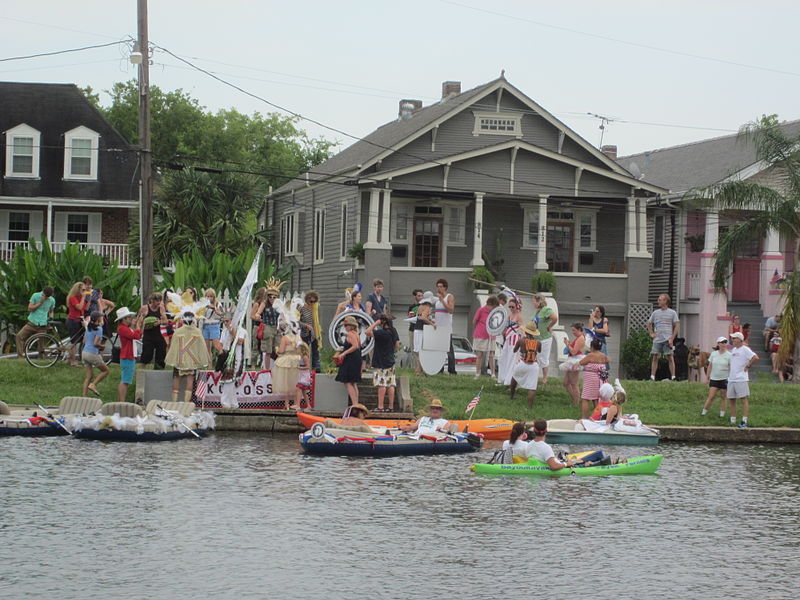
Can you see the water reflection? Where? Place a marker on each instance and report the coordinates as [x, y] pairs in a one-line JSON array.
[[243, 516]]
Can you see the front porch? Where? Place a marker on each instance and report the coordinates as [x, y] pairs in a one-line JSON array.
[[113, 252]]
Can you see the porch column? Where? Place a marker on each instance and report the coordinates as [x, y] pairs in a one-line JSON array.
[[372, 219], [50, 222], [541, 249], [772, 260], [631, 245], [385, 219], [713, 304], [477, 238], [641, 212]]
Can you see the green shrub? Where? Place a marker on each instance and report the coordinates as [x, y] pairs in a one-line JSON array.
[[482, 274], [544, 281], [357, 252], [635, 354]]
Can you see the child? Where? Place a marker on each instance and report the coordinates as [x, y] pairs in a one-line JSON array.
[[526, 371], [91, 357], [211, 323], [127, 363], [303, 378]]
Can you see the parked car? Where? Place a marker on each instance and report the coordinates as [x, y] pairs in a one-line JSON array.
[[465, 356]]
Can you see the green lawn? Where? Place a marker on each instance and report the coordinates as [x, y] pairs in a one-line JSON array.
[[657, 403]]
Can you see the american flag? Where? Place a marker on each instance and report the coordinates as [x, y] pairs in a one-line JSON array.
[[474, 402], [201, 389]]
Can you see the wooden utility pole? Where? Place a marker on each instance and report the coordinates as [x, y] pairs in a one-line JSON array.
[[145, 159]]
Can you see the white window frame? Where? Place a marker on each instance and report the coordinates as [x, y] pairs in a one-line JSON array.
[[319, 236], [81, 133], [531, 216], [406, 207], [460, 227], [514, 119], [343, 247], [289, 242], [658, 258], [592, 214], [88, 227], [23, 130]]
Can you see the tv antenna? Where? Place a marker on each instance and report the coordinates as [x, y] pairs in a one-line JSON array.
[[603, 122]]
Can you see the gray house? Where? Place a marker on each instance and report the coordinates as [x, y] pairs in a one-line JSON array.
[[485, 177]]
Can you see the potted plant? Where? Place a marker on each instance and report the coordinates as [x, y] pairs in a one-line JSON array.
[[482, 278], [544, 281], [357, 252], [696, 242]]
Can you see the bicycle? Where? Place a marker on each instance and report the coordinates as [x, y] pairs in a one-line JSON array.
[[43, 350]]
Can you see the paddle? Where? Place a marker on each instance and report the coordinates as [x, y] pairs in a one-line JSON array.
[[46, 412], [175, 420]]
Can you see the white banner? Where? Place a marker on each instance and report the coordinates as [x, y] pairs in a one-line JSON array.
[[253, 390]]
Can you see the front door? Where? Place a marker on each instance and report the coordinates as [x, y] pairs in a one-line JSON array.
[[746, 273], [559, 246], [427, 242]]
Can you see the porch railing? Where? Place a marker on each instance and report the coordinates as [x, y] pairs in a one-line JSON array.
[[693, 285], [117, 252]]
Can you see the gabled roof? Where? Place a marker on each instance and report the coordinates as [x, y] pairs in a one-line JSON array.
[[697, 164], [395, 134]]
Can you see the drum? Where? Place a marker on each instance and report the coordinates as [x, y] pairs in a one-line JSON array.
[[337, 334], [497, 321]]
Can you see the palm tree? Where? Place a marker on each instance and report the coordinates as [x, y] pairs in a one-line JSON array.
[[770, 209]]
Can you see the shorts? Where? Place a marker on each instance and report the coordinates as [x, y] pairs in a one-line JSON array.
[[418, 340], [720, 384], [211, 331], [384, 377], [661, 348], [544, 353], [183, 372], [91, 359], [127, 366], [481, 344], [738, 389], [270, 340]]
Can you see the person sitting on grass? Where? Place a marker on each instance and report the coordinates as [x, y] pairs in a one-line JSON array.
[[542, 451], [91, 357], [430, 424]]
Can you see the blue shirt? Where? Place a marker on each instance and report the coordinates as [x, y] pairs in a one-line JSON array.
[[90, 339], [40, 315]]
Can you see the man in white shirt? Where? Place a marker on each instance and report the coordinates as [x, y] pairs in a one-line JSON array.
[[742, 358], [663, 326], [430, 424], [542, 451]]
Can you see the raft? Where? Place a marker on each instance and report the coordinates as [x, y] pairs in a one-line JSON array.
[[642, 465], [490, 429], [127, 422], [366, 441], [49, 422]]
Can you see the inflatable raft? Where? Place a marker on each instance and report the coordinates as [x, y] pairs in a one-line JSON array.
[[127, 422], [48, 422], [642, 465], [369, 441], [490, 429]]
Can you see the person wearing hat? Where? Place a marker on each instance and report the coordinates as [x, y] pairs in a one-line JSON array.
[[526, 372], [127, 362], [349, 360], [358, 412], [742, 358], [424, 317], [265, 319], [717, 371], [430, 424]]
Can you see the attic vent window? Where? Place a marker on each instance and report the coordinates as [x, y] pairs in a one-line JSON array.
[[497, 124]]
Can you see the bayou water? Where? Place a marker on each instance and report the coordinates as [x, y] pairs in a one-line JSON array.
[[248, 516]]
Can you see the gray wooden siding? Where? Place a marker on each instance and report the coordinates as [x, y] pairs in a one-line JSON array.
[[502, 238], [610, 241], [573, 150], [470, 176], [592, 184], [535, 175]]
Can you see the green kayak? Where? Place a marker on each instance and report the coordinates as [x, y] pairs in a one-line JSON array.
[[641, 465]]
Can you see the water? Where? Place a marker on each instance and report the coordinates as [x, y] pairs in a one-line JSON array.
[[237, 516]]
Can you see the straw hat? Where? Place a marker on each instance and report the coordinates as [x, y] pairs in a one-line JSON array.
[[436, 403], [531, 328], [360, 407], [350, 321]]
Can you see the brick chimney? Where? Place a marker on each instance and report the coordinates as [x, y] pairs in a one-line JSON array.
[[450, 88], [407, 108], [610, 151]]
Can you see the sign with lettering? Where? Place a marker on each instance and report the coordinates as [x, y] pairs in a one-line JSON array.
[[252, 390]]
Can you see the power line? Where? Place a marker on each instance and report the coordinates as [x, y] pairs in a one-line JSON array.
[[66, 51], [94, 33], [626, 42]]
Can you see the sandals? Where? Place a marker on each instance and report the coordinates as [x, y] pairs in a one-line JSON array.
[[93, 389]]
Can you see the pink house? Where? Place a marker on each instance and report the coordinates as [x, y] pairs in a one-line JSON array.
[[683, 237]]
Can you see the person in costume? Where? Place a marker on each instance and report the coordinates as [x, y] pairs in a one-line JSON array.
[[424, 317], [187, 353], [353, 300], [525, 373], [211, 322], [265, 315], [285, 370], [511, 335], [303, 377], [311, 330], [444, 307], [231, 361]]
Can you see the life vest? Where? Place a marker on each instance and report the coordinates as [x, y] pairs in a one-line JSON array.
[[530, 349], [600, 411]]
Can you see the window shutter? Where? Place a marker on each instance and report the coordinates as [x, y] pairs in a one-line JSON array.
[[36, 225], [455, 224], [60, 227], [3, 224], [302, 241], [95, 228]]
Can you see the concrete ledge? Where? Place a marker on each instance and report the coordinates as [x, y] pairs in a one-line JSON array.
[[276, 421], [731, 435]]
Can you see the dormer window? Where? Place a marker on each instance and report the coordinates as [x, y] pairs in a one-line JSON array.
[[493, 123], [22, 151], [81, 146]]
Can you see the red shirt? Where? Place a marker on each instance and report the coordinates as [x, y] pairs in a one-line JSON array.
[[126, 336], [72, 308]]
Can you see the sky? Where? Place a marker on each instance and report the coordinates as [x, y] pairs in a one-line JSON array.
[[666, 73]]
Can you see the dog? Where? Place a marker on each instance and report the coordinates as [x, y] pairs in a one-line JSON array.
[[698, 363]]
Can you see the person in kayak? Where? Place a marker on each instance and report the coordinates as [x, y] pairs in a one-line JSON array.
[[517, 441], [358, 412], [542, 451], [430, 424]]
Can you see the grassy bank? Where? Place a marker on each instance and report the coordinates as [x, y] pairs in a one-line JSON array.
[[657, 403]]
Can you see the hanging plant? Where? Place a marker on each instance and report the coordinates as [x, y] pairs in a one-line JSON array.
[[357, 252], [696, 242]]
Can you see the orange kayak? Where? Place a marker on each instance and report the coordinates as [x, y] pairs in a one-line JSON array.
[[492, 429]]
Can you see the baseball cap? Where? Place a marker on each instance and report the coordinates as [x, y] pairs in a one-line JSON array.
[[722, 340], [738, 335]]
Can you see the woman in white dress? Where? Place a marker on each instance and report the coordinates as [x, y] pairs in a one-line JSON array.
[[511, 335]]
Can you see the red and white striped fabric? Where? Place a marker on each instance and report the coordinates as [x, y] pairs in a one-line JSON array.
[[201, 390], [473, 403]]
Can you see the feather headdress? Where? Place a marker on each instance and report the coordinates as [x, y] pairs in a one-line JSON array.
[[274, 285]]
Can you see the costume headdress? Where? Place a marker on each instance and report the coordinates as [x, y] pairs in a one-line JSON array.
[[274, 286]]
